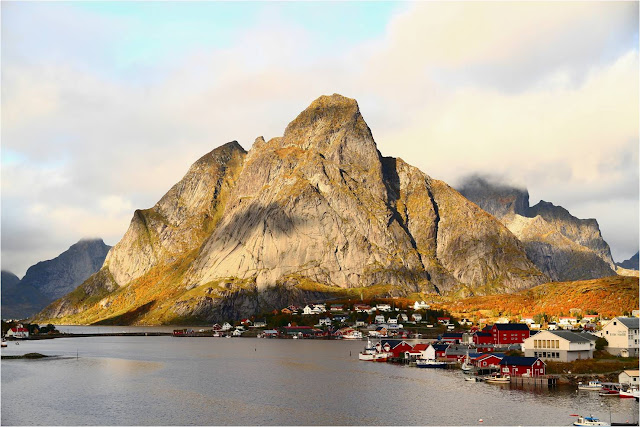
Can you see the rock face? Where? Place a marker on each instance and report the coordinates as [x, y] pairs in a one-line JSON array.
[[19, 302], [49, 280], [313, 213], [630, 264], [562, 246]]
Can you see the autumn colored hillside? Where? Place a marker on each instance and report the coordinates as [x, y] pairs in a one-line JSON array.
[[608, 296]]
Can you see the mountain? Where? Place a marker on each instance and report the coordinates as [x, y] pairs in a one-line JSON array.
[[630, 264], [49, 280], [562, 246], [19, 302], [316, 213]]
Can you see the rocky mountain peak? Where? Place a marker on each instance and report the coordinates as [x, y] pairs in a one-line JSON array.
[[333, 126], [498, 199]]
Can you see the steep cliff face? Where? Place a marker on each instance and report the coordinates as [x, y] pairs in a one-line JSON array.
[[49, 280], [562, 246], [314, 213]]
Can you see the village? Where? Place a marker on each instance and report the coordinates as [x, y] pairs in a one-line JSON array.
[[524, 351]]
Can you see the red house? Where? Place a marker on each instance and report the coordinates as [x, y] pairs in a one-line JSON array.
[[519, 366], [487, 361], [398, 348], [444, 320], [480, 338], [509, 333], [452, 337]]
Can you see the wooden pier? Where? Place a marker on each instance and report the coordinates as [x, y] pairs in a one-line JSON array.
[[540, 381]]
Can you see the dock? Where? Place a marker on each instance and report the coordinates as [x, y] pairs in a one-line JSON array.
[[540, 381]]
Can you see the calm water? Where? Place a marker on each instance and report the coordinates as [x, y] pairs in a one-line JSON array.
[[248, 381]]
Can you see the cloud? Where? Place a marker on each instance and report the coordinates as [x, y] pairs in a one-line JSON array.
[[544, 94]]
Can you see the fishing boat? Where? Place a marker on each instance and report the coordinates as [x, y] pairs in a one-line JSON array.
[[4, 343], [466, 365], [588, 421], [591, 385], [370, 354], [607, 392], [630, 393], [430, 363]]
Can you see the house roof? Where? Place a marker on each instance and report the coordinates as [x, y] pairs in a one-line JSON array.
[[511, 326], [452, 335], [440, 347], [629, 322], [570, 336], [632, 372], [518, 361], [420, 347], [483, 334]]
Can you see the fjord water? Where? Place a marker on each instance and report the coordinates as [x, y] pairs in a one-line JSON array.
[[247, 381]]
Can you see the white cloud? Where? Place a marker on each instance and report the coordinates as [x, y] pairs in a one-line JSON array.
[[545, 94]]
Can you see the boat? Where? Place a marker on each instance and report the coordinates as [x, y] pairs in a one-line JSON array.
[[591, 385], [352, 335], [589, 421], [630, 393], [608, 392], [498, 379], [370, 354], [430, 363], [4, 343], [473, 379]]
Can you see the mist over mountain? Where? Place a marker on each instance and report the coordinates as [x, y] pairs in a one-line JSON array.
[[562, 246]]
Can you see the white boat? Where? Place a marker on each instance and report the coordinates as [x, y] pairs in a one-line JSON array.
[[591, 385], [473, 379], [370, 354], [630, 393], [353, 335], [498, 379], [589, 421], [430, 363], [4, 343]]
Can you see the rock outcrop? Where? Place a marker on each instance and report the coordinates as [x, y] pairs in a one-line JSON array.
[[562, 246], [314, 213], [49, 280]]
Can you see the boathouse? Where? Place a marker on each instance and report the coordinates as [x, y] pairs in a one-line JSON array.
[[522, 366]]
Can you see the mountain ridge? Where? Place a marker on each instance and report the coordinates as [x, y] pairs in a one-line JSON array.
[[315, 212]]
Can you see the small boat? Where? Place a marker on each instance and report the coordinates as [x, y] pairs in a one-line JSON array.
[[353, 335], [591, 385], [608, 392], [630, 393], [473, 379], [498, 379], [589, 421], [430, 363], [4, 343]]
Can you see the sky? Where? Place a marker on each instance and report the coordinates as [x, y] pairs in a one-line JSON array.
[[105, 105]]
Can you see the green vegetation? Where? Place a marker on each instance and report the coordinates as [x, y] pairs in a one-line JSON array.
[[27, 356]]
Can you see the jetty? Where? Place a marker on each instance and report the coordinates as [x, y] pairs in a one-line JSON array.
[[539, 381]]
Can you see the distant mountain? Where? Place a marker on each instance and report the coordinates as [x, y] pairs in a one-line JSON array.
[[559, 244], [19, 302], [49, 280], [312, 214], [630, 264]]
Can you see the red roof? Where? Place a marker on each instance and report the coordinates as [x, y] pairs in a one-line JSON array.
[[14, 329], [420, 347]]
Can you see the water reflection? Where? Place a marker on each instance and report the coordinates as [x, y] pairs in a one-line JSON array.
[[210, 381]]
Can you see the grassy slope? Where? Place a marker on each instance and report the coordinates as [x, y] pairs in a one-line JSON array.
[[608, 296]]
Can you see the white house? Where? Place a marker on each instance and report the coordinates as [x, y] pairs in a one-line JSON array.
[[360, 323], [392, 321], [560, 346], [18, 331], [567, 322], [236, 333], [528, 319], [403, 317], [319, 308], [383, 307], [429, 353], [379, 319], [226, 326], [325, 322], [622, 335], [466, 322], [421, 305], [552, 326], [417, 317], [307, 310], [630, 377]]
